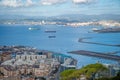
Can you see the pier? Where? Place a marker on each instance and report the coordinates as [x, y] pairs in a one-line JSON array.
[[96, 54]]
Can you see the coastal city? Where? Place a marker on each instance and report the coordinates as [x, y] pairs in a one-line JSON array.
[[27, 63], [59, 39], [107, 23]]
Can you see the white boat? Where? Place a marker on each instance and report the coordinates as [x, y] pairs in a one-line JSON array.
[[30, 28]]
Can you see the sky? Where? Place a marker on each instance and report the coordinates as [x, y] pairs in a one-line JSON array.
[[58, 7]]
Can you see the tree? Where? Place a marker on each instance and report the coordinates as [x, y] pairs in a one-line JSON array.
[[89, 71], [92, 69], [67, 74]]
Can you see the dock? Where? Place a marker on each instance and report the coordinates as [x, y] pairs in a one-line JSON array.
[[97, 54]]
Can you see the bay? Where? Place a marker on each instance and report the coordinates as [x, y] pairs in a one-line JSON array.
[[66, 40]]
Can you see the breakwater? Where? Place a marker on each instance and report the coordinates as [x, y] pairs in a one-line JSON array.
[[96, 54], [88, 42]]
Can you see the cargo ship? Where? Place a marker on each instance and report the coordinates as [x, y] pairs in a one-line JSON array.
[[51, 36], [50, 31]]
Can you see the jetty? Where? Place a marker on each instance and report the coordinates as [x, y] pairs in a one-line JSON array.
[[96, 54], [82, 40]]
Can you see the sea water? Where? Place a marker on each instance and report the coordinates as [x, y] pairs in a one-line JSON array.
[[65, 40]]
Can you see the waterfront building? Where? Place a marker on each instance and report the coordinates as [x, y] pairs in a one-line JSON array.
[[37, 65], [26, 63], [113, 69], [31, 57], [67, 62]]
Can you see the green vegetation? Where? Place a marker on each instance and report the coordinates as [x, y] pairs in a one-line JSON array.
[[67, 74], [88, 71]]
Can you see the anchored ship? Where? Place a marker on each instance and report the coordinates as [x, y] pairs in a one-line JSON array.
[[50, 31], [51, 36]]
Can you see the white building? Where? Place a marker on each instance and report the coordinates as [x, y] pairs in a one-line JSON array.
[[30, 57]]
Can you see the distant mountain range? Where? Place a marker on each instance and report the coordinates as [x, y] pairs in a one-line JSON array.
[[83, 18], [64, 18]]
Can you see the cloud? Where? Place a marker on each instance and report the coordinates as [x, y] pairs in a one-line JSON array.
[[29, 3], [26, 3], [16, 3], [51, 2], [82, 1], [11, 3]]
